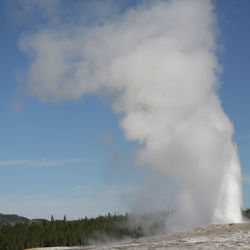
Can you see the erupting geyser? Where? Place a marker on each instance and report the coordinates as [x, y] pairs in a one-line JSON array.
[[159, 59]]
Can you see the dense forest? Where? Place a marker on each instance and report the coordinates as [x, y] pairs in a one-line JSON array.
[[42, 233], [26, 233]]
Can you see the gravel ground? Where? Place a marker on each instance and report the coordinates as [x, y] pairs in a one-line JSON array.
[[221, 236]]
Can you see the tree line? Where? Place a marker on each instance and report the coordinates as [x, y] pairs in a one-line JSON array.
[[82, 232], [66, 233]]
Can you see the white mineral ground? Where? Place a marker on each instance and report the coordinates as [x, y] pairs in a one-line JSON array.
[[219, 236]]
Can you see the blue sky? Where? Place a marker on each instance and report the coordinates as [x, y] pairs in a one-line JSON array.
[[72, 158], [233, 20]]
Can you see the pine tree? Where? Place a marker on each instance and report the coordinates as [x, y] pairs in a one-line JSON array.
[[64, 218], [52, 218]]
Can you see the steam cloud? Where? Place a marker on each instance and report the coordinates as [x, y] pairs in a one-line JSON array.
[[159, 62]]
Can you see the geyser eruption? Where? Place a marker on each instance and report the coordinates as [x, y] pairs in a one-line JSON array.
[[158, 60]]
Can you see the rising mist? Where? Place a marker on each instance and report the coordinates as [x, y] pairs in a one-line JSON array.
[[158, 62]]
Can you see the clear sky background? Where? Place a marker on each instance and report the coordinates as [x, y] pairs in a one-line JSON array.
[[71, 158]]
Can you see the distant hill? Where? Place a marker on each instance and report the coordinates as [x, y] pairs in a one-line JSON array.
[[12, 219]]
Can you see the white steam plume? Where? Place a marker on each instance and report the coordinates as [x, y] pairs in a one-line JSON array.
[[159, 59]]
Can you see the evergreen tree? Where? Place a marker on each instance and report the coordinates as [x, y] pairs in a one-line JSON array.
[[52, 218], [64, 218], [51, 233]]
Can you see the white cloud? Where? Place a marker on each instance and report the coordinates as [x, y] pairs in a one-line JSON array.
[[42, 163]]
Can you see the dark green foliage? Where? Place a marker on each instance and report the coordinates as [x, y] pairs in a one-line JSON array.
[[246, 213], [66, 233], [52, 218]]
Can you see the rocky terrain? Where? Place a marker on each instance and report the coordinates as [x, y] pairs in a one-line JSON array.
[[221, 236]]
